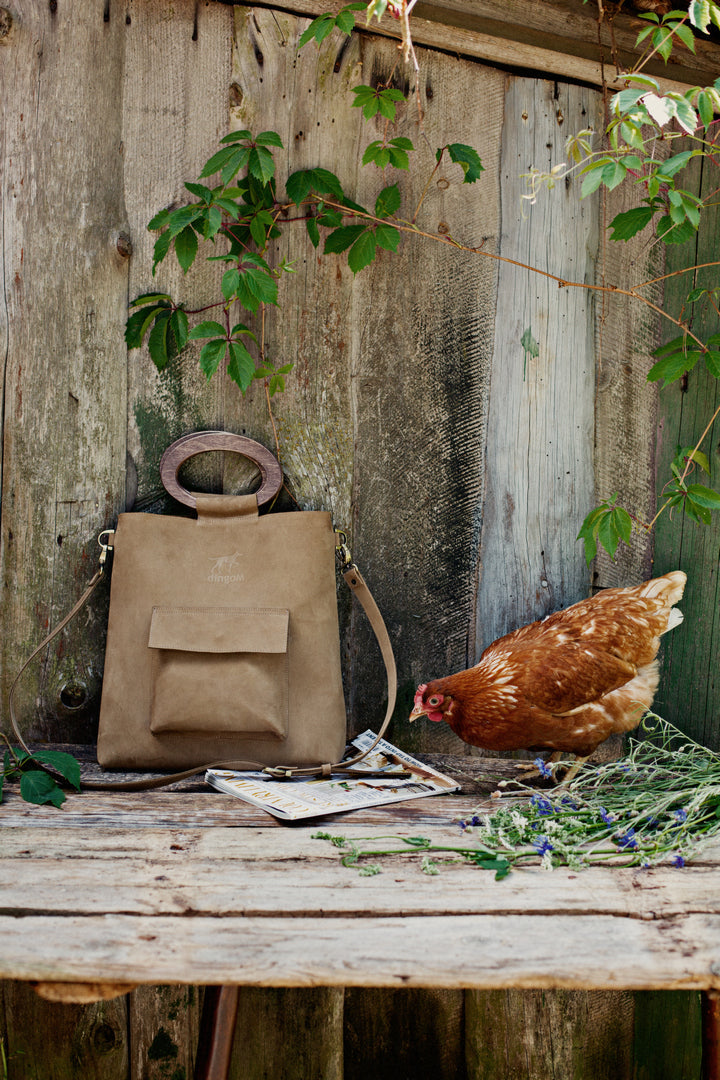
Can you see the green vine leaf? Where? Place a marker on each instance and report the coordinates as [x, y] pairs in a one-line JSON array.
[[324, 24], [241, 367], [181, 218], [373, 100], [394, 153], [179, 328], [468, 159], [39, 788], [674, 359], [158, 345], [230, 283], [341, 239], [387, 237], [64, 764], [236, 136], [631, 222], [139, 322], [704, 496], [362, 252], [261, 164], [159, 221], [206, 329], [671, 233], [607, 524], [201, 192], [186, 245], [269, 138], [227, 161], [162, 246], [387, 202], [211, 356], [313, 231]]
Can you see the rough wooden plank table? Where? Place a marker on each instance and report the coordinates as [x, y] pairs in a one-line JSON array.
[[192, 886]]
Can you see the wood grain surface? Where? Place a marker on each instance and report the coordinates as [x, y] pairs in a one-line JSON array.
[[105, 110]]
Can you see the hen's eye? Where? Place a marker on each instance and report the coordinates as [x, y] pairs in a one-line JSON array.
[[434, 701]]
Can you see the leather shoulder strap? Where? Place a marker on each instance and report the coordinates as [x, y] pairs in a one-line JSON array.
[[360, 590]]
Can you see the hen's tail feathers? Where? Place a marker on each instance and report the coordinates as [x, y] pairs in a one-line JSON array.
[[668, 588]]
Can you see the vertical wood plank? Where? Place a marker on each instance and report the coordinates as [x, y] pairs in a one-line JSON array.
[[163, 1023], [666, 1041], [288, 1033], [175, 110], [62, 307], [549, 1035], [48, 1041], [539, 475], [689, 692], [383, 420], [420, 388], [404, 1034], [626, 404]]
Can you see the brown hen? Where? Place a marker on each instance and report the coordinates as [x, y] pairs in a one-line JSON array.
[[564, 683]]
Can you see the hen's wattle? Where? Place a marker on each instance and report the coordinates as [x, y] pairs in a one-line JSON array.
[[567, 682]]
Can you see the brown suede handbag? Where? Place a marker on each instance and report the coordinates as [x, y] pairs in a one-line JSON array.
[[223, 640]]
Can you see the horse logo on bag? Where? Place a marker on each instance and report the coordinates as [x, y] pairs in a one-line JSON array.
[[224, 569]]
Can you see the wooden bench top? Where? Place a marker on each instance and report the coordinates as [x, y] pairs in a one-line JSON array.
[[193, 886]]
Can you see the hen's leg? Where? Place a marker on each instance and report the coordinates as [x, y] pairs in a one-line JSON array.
[[574, 769], [532, 771]]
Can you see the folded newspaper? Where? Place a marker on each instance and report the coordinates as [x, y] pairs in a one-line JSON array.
[[295, 799]]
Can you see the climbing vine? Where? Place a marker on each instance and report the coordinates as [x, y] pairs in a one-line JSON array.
[[239, 211]]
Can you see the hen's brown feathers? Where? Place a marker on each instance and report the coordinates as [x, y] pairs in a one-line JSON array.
[[567, 682]]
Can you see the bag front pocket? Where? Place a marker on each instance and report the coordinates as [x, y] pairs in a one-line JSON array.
[[219, 672]]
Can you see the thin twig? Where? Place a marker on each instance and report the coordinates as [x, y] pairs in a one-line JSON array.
[[684, 270], [562, 282]]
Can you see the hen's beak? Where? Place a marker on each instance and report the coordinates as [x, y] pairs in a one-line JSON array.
[[415, 713]]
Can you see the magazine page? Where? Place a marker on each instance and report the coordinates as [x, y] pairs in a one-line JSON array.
[[292, 800]]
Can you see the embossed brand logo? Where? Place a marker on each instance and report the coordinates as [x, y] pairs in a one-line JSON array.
[[225, 569]]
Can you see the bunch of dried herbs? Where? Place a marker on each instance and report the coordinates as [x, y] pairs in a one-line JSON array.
[[658, 804]]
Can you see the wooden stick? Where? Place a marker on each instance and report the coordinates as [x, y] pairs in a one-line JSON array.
[[217, 1030], [711, 1035]]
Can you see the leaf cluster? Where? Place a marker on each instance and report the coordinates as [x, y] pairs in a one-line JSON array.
[[680, 355], [243, 213], [393, 152], [364, 237], [37, 784], [607, 524], [324, 25], [374, 100], [696, 500]]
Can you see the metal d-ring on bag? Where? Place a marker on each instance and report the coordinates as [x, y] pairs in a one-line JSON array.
[[223, 639]]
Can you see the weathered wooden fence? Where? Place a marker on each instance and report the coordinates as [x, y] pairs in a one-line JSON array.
[[460, 461]]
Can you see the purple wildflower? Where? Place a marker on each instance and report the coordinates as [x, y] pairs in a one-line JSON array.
[[476, 820], [626, 840], [543, 806], [607, 818], [678, 861], [542, 845], [567, 801], [543, 768], [462, 824], [681, 815]]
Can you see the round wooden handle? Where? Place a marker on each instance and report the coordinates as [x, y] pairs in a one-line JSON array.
[[200, 442]]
